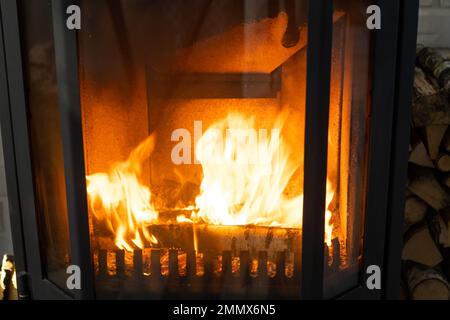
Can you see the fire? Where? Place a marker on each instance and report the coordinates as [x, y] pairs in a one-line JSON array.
[[118, 199], [245, 174], [245, 177]]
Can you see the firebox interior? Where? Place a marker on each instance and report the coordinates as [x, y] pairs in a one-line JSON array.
[[173, 71]]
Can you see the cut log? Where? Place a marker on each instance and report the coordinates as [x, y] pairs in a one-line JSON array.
[[431, 110], [446, 263], [408, 193], [422, 86], [433, 136], [424, 185], [419, 156], [435, 64], [430, 105], [427, 283], [443, 162], [420, 247], [415, 210], [446, 180], [404, 294], [444, 224], [446, 141]]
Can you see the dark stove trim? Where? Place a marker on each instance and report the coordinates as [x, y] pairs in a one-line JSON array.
[[66, 53], [399, 158], [386, 156], [320, 30]]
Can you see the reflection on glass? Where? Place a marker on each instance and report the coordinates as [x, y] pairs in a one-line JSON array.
[[45, 137]]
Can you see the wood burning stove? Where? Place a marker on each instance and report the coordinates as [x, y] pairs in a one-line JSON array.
[[206, 149]]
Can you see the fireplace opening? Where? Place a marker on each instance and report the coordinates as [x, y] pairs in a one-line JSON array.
[[194, 126]]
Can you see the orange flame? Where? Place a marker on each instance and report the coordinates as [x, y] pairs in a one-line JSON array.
[[122, 202], [245, 175]]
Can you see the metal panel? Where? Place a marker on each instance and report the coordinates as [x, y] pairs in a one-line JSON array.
[[73, 150], [20, 178], [10, 163], [402, 114], [384, 64], [316, 144]]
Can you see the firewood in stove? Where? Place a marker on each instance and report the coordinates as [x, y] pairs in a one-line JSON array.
[[433, 136], [426, 283], [430, 104], [424, 185], [434, 63], [420, 247], [443, 162], [415, 210], [419, 156]]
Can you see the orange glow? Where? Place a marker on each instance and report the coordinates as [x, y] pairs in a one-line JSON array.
[[245, 175], [118, 199], [246, 172]]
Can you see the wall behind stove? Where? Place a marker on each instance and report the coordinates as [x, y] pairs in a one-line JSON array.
[[434, 23], [5, 228]]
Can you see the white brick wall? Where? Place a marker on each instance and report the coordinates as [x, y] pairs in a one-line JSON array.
[[434, 23], [5, 228]]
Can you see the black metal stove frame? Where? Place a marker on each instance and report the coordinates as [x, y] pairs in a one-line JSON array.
[[393, 60]]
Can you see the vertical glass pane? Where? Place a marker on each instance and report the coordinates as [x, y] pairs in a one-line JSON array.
[[348, 132], [45, 137], [193, 123], [5, 227]]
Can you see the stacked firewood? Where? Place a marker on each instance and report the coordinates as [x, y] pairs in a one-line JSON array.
[[426, 248]]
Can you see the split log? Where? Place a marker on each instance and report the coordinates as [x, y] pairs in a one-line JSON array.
[[430, 105], [446, 141], [446, 262], [415, 210], [420, 247], [444, 228], [446, 180], [433, 137], [424, 185], [427, 283], [404, 294], [408, 193], [443, 162], [419, 156], [422, 86], [434, 63]]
